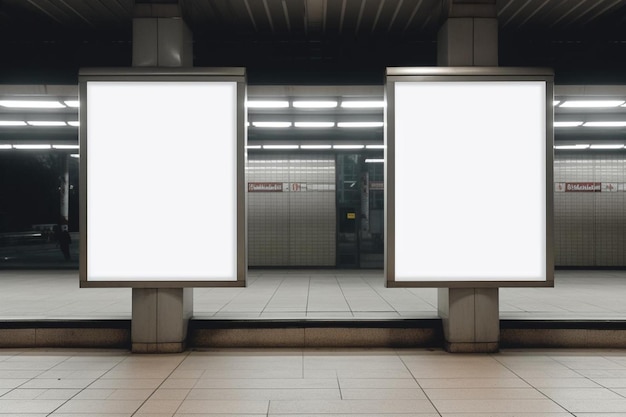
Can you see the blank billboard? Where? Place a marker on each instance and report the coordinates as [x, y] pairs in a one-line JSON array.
[[470, 162], [161, 167]]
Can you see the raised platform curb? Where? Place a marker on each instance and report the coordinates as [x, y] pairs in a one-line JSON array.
[[413, 333]]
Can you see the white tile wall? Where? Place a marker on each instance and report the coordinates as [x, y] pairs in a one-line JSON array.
[[292, 228], [590, 228]]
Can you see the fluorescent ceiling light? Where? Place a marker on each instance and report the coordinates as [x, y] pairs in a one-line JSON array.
[[271, 124], [253, 147], [374, 161], [37, 146], [6, 147], [592, 103], [567, 124], [375, 146], [581, 146], [315, 146], [31, 104], [280, 146], [362, 104], [605, 124], [267, 104], [65, 146], [360, 124], [348, 146], [315, 104], [46, 123], [12, 123], [75, 155], [607, 146], [555, 103], [72, 103], [314, 124], [75, 124]]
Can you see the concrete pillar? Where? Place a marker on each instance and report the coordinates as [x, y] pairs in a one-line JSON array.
[[160, 316], [469, 37]]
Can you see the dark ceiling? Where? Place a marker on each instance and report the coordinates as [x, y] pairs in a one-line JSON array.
[[311, 41]]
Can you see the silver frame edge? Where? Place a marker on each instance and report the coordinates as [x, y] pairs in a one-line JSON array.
[[234, 74]]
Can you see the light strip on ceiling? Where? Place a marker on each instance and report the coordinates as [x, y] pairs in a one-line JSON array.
[[359, 124], [75, 124], [4, 146], [581, 146], [591, 103], [605, 124], [46, 123], [555, 103], [279, 125], [374, 161], [567, 124], [267, 104], [75, 155], [65, 146], [348, 146], [314, 124], [31, 104], [37, 146], [315, 146], [253, 147], [72, 103], [315, 104], [12, 123], [375, 146], [607, 146], [362, 104], [280, 146]]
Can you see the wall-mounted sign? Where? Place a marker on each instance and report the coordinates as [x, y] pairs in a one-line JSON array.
[[377, 185], [351, 216], [152, 141], [265, 187], [588, 187], [449, 124]]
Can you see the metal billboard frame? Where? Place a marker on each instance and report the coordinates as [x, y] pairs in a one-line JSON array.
[[156, 74], [464, 74]]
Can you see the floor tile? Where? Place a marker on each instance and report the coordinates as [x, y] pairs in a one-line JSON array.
[[100, 406], [351, 406], [264, 394], [497, 406], [484, 394], [383, 394], [223, 407]]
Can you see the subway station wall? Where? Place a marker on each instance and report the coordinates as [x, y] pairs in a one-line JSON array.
[[291, 210], [590, 209]]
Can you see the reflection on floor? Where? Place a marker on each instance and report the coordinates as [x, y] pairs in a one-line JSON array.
[[329, 294], [296, 382]]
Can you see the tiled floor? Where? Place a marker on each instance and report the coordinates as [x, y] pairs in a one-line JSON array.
[[325, 294], [294, 382]]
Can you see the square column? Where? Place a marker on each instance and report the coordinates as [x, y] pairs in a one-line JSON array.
[[160, 316], [469, 37]]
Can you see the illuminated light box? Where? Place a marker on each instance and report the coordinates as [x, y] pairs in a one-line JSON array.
[[162, 177], [469, 157]]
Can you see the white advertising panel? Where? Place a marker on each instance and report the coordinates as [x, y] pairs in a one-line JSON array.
[[470, 188], [161, 181]]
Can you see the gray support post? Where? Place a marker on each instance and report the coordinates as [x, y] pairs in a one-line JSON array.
[[160, 316], [469, 37]]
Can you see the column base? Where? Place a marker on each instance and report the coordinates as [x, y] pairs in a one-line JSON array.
[[480, 347], [158, 347]]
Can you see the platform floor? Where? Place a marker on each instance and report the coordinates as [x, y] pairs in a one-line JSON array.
[[54, 294], [320, 382]]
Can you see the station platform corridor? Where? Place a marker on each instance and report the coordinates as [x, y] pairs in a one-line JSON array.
[[311, 295], [312, 382]]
